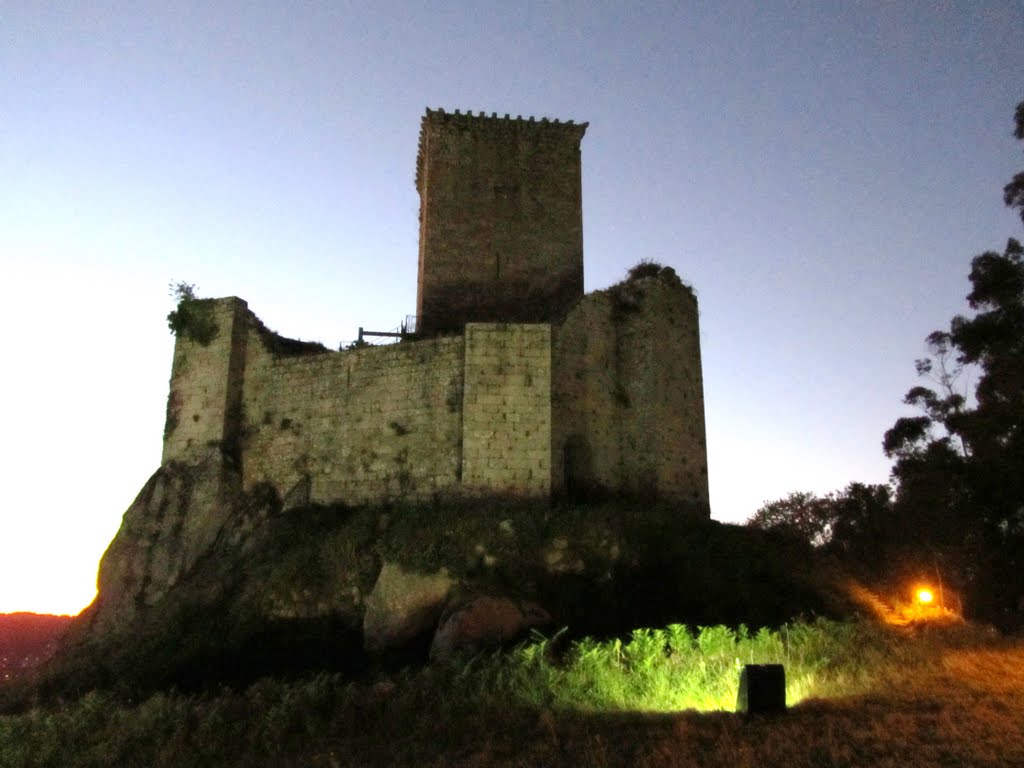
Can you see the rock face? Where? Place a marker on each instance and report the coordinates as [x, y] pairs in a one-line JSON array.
[[173, 522], [402, 606], [207, 583], [484, 622]]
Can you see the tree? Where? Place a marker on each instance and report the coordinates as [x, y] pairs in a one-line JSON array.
[[852, 524], [192, 317], [959, 465], [800, 515], [1013, 193]]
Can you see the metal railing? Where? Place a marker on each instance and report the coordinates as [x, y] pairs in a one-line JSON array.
[[406, 330]]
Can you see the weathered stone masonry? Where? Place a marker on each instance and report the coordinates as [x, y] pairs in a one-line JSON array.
[[374, 423], [501, 220], [609, 399], [568, 393], [506, 443], [628, 393]]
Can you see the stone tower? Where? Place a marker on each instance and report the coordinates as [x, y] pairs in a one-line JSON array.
[[501, 220]]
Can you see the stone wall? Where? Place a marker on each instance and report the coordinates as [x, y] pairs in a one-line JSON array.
[[628, 395], [611, 400], [361, 425], [536, 389], [204, 402], [370, 424], [506, 443], [501, 220]]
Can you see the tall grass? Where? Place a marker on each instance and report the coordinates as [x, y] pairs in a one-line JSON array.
[[676, 668], [272, 721]]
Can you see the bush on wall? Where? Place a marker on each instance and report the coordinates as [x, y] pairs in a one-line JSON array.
[[192, 318]]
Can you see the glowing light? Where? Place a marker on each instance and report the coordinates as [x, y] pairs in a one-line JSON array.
[[925, 596]]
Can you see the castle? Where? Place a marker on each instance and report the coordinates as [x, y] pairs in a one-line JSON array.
[[514, 383]]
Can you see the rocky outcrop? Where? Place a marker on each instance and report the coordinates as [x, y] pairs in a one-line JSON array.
[[173, 522], [207, 583], [484, 622], [407, 605], [402, 606]]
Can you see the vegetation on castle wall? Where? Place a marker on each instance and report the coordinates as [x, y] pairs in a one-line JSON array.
[[192, 318], [282, 346], [648, 268], [626, 295]]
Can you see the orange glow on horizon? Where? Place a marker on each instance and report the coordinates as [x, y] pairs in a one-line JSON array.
[[45, 597], [924, 596], [52, 607]]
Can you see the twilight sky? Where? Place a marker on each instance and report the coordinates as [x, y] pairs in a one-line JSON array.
[[821, 173]]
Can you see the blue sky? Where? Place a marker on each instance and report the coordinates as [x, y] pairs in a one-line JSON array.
[[821, 173]]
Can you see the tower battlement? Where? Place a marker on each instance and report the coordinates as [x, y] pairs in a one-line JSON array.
[[507, 127]]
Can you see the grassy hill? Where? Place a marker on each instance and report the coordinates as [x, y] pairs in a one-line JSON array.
[[206, 680], [862, 694]]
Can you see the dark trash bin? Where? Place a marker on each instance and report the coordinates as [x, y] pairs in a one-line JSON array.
[[762, 689]]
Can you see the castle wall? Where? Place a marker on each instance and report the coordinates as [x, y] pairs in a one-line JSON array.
[[612, 399], [506, 430], [458, 414], [627, 395], [356, 426], [501, 220], [205, 398]]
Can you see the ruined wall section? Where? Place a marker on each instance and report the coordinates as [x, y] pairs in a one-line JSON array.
[[628, 394], [612, 400], [357, 426], [204, 403], [501, 220], [506, 431]]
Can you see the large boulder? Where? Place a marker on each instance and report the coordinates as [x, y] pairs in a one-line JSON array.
[[484, 622], [403, 606]]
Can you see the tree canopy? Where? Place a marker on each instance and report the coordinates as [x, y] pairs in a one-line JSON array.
[[1013, 193]]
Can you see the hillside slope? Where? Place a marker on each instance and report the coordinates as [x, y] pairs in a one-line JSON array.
[[28, 639]]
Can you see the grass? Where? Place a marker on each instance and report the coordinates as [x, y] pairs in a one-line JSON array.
[[666, 670], [863, 695]]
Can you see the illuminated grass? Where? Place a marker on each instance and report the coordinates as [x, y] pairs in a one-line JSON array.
[[675, 668]]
